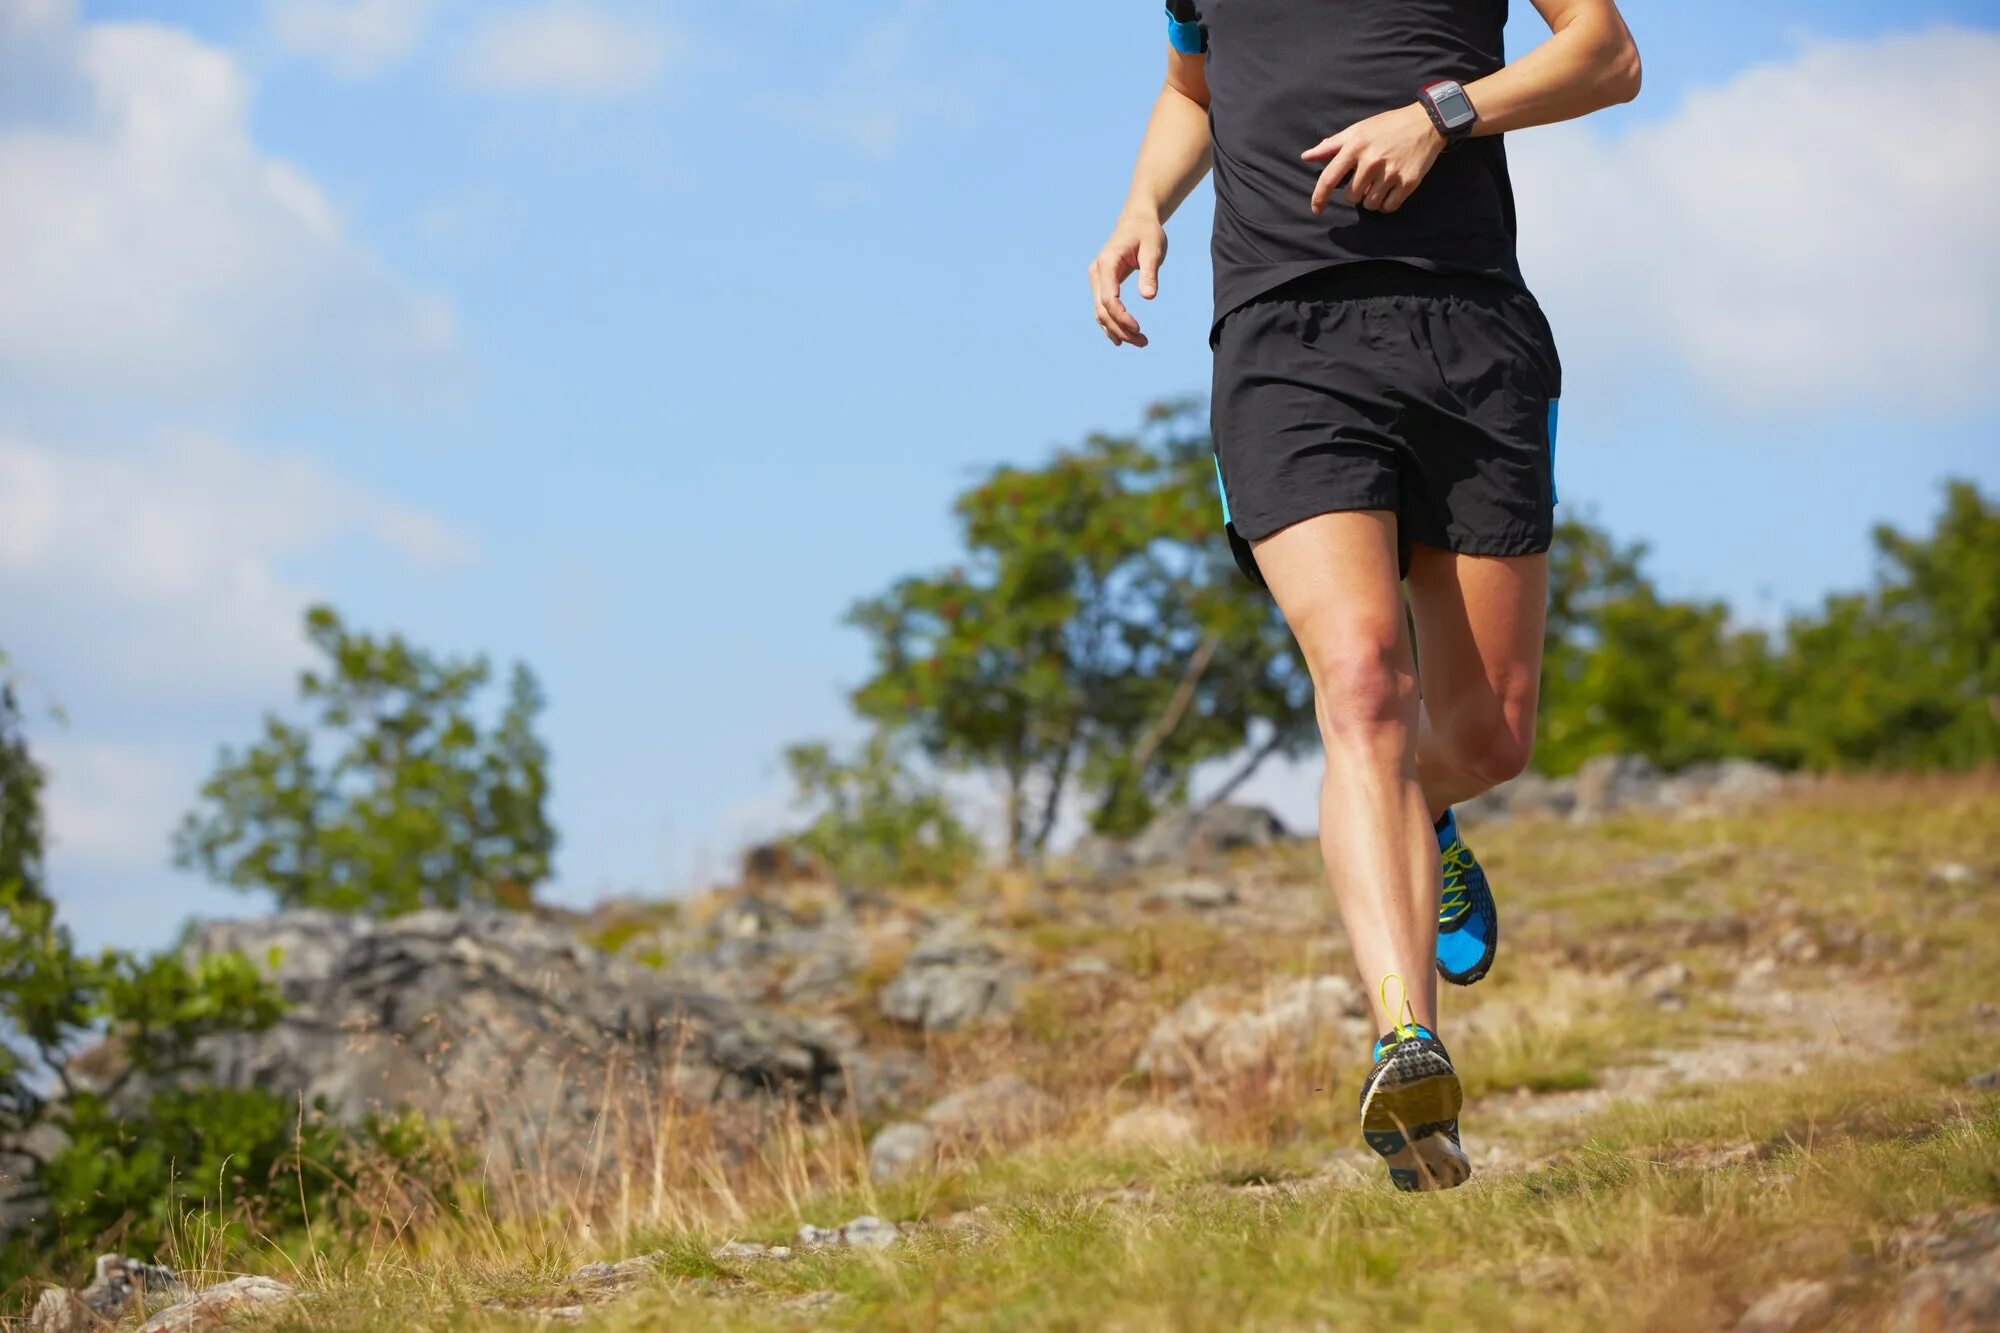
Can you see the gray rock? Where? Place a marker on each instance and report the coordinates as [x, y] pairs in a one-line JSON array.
[[1191, 837], [214, 1305], [117, 1285], [1529, 795], [1787, 1307], [1986, 1082], [741, 1249], [1956, 1289], [502, 1024], [1096, 859], [1203, 1039], [1156, 1127], [866, 1233], [1952, 874], [1200, 895], [951, 980], [901, 1149], [998, 1108], [1613, 782]]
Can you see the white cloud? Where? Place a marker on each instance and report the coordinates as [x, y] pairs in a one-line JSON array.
[[567, 49], [161, 573], [878, 92], [353, 39], [148, 247], [112, 807], [1811, 235]]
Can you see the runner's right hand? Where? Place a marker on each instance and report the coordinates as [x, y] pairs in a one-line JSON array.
[[1137, 245]]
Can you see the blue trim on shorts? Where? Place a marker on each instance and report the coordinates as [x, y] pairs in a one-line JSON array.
[[1220, 489], [1555, 413]]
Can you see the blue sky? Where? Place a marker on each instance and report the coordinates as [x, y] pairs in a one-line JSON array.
[[637, 341]]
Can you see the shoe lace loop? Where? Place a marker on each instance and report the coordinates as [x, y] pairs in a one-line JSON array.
[[1407, 1027]]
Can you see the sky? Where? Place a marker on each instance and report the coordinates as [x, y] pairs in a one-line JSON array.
[[637, 341]]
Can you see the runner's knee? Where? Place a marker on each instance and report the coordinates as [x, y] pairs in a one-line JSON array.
[[1362, 690]]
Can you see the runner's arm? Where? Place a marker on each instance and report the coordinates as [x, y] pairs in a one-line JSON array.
[[1589, 62], [1173, 157]]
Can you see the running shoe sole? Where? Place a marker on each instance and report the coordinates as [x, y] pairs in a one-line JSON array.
[[1407, 1120]]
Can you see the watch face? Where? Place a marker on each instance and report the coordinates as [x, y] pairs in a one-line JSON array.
[[1453, 105]]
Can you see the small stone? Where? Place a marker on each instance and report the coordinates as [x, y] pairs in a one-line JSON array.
[[900, 1149], [1952, 874], [1787, 1307], [746, 1249], [869, 1233], [1986, 1082], [1200, 895], [1155, 1127], [1090, 965]]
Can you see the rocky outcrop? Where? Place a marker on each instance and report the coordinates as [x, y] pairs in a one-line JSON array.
[[1613, 783], [952, 979], [1196, 837], [500, 1023]]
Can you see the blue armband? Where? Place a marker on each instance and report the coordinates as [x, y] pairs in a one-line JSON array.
[[1185, 35]]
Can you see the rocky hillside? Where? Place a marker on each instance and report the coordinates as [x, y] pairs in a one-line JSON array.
[[1737, 1068]]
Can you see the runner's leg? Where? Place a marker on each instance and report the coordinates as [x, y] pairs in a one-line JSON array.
[[1479, 623], [1335, 579]]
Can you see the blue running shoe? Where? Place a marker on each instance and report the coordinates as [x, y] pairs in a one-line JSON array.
[[1468, 923], [1409, 1111]]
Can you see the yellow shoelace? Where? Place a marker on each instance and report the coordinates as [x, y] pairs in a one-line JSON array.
[[1457, 900], [1408, 1028]]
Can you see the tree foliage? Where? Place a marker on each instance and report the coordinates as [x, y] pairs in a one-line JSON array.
[[875, 821], [1094, 642], [418, 804], [117, 1150], [1904, 675]]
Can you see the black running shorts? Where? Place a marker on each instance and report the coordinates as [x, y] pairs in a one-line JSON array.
[[1385, 386]]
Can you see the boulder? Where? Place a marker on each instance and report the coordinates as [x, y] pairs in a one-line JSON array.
[[951, 980], [1204, 1038], [1194, 837], [900, 1149], [502, 1024], [213, 1306], [999, 1110]]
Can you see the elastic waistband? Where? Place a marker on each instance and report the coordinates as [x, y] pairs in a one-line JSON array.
[[1387, 277]]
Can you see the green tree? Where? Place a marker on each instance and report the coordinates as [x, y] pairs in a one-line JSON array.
[[1627, 670], [116, 1150], [876, 821], [1094, 641], [1906, 675], [418, 805]]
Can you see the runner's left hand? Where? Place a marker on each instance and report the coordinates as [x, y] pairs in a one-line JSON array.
[[1383, 159]]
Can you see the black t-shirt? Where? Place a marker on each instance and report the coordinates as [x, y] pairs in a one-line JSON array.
[[1284, 74]]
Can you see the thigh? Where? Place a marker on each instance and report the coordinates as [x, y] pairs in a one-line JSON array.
[[1335, 577], [1479, 622]]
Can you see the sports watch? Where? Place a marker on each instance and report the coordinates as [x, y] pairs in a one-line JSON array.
[[1450, 109]]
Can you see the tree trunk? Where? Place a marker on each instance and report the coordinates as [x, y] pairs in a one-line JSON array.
[[1250, 766]]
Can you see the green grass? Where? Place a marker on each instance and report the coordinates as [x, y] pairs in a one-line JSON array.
[[1670, 1211]]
